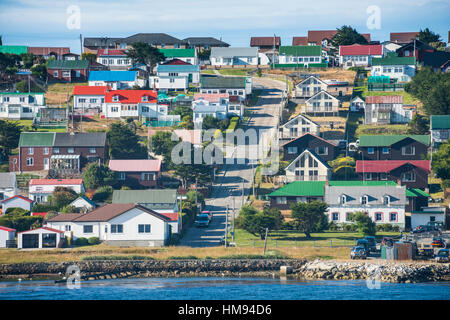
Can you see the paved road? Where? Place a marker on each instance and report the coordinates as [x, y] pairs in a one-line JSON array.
[[227, 189]]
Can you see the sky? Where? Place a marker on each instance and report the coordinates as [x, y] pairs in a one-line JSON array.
[[60, 22]]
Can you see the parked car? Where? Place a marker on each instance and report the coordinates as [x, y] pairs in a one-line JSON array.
[[372, 243], [389, 242], [363, 243], [423, 228], [438, 243], [425, 249], [209, 213], [358, 252], [342, 144], [442, 255], [202, 220]]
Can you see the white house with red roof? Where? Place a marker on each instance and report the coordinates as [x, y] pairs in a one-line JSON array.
[[133, 103], [40, 189], [89, 97], [40, 238], [17, 201], [7, 236], [114, 59], [135, 173], [358, 55], [387, 110]]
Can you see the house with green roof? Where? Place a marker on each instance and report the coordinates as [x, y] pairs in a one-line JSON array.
[[68, 70], [297, 191], [440, 129], [186, 55], [19, 105], [300, 57], [14, 49], [234, 86], [402, 69], [394, 147]]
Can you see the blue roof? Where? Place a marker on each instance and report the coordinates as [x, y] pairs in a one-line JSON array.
[[177, 68], [112, 75]]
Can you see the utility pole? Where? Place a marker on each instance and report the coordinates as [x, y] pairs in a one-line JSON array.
[[242, 193], [273, 53], [226, 225], [181, 212], [81, 45], [253, 180], [196, 206], [234, 217], [265, 241]]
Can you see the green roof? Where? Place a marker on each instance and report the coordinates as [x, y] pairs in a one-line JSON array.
[[381, 141], [21, 93], [157, 196], [14, 49], [301, 50], [301, 188], [68, 64], [222, 82], [393, 61], [440, 122], [414, 192], [360, 183], [174, 53], [36, 139]]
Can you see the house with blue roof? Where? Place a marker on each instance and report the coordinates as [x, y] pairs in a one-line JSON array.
[[116, 80]]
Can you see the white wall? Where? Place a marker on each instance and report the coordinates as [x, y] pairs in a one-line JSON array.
[[91, 101], [169, 83], [40, 232], [385, 210], [16, 203], [418, 219], [6, 235]]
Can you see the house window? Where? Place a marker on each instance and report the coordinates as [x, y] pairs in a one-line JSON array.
[[409, 151], [343, 199], [393, 216], [364, 199], [117, 228], [93, 100], [22, 99], [67, 227], [114, 109], [30, 150], [70, 150], [55, 73], [292, 150], [378, 216], [148, 176], [322, 150], [66, 74], [383, 176], [92, 150], [46, 151], [385, 150], [408, 177], [88, 229], [122, 175], [281, 200], [368, 176], [115, 98], [30, 161], [335, 216], [55, 150], [386, 200], [144, 228], [371, 150], [348, 216]]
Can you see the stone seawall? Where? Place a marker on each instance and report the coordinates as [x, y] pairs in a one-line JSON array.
[[383, 271]]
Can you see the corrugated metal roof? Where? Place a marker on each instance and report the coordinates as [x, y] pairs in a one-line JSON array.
[[300, 41], [358, 50], [301, 188], [385, 166], [234, 52], [145, 196], [68, 64], [388, 140], [393, 61], [265, 41], [177, 68], [7, 179], [14, 49], [222, 82], [80, 139], [131, 165], [176, 53], [403, 37], [36, 139], [111, 76], [440, 122], [301, 50], [375, 194], [384, 99]]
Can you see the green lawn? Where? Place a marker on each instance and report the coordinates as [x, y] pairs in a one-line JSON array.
[[27, 124], [381, 129], [233, 72], [207, 72], [407, 98], [287, 238]]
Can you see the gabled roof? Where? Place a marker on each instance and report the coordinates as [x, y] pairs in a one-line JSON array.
[[113, 210], [440, 122], [211, 97], [89, 90], [310, 77], [100, 42], [178, 68], [375, 195], [222, 82], [36, 139], [403, 37], [415, 192], [301, 188], [175, 62], [43, 228], [7, 229], [384, 99], [131, 96], [65, 217], [319, 93], [7, 179], [265, 41], [315, 156], [112, 76], [131, 165], [393, 61], [301, 50], [158, 196], [45, 51], [308, 135], [435, 59], [388, 140], [303, 117], [176, 53], [80, 139], [56, 182], [316, 36], [68, 64], [13, 49], [385, 166], [110, 52], [151, 38], [415, 44], [18, 196], [361, 50], [230, 52], [300, 41], [83, 197], [205, 41]]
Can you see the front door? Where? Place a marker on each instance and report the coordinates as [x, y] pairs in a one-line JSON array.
[[46, 164]]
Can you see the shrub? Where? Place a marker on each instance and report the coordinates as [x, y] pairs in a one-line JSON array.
[[387, 227], [396, 228], [81, 242], [43, 207], [102, 193], [333, 226], [182, 257], [93, 240], [112, 257]]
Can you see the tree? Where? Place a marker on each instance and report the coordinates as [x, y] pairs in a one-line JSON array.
[[345, 36], [27, 60], [22, 86], [204, 54], [309, 217], [144, 53], [95, 176], [62, 196], [40, 71], [9, 136], [364, 223], [124, 144], [419, 124], [428, 36], [441, 162], [162, 144], [256, 222], [91, 57]]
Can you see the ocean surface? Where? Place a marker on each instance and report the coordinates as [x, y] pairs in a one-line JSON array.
[[222, 289]]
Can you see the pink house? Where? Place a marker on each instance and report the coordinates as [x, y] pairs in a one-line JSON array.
[[137, 173]]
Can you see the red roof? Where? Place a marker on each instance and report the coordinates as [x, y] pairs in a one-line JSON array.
[[176, 62], [45, 51], [111, 52], [264, 41], [131, 96], [18, 196], [403, 37], [6, 229], [389, 165], [173, 216], [300, 41], [384, 99], [317, 36], [48, 182], [45, 228], [211, 97], [89, 90], [141, 165], [361, 50]]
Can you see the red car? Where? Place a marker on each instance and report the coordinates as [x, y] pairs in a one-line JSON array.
[[438, 242]]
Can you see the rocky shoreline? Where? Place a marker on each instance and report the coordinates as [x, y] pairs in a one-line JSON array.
[[383, 271]]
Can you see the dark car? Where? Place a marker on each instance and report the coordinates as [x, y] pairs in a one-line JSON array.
[[209, 213], [438, 243], [358, 252], [363, 243], [372, 243], [443, 255], [202, 220]]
